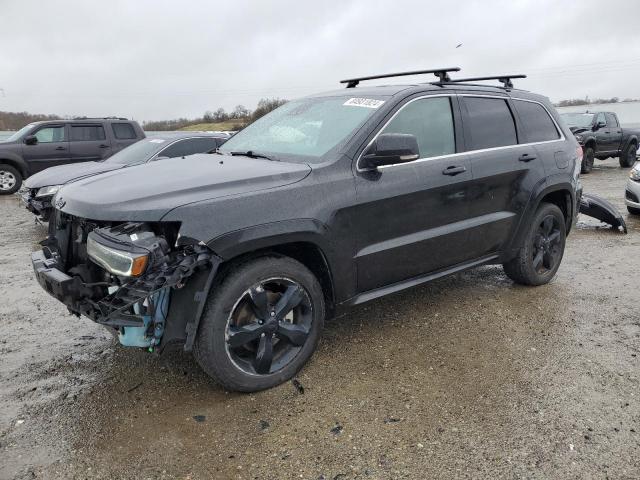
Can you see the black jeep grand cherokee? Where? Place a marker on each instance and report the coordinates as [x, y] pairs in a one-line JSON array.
[[328, 201]]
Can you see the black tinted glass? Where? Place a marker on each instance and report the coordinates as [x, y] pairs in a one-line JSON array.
[[189, 146], [123, 131], [536, 122], [430, 120], [490, 123], [80, 133]]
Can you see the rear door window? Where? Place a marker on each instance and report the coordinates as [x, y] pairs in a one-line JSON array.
[[87, 133], [489, 122], [430, 120], [611, 120], [51, 134], [536, 122], [123, 131]]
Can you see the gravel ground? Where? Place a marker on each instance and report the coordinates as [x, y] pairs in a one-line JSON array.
[[470, 376]]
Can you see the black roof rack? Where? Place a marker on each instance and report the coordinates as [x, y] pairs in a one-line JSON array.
[[99, 118], [441, 73], [504, 79]]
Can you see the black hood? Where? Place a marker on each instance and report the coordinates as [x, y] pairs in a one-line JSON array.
[[148, 192], [68, 173]]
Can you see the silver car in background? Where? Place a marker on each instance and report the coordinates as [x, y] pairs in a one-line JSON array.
[[632, 191]]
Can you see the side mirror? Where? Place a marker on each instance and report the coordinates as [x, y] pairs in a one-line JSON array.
[[389, 149], [599, 125], [154, 159], [30, 139]]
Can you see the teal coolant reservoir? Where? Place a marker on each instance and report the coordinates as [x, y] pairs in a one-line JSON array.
[[144, 336]]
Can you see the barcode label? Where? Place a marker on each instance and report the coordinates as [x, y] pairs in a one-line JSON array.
[[363, 102]]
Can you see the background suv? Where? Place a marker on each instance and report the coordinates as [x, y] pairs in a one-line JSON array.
[[327, 202], [41, 145]]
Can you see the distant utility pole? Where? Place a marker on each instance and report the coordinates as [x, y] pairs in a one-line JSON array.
[[2, 92]]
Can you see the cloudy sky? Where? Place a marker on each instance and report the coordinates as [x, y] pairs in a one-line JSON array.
[[157, 59]]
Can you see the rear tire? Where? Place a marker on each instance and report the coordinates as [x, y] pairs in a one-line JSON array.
[[240, 326], [10, 179], [539, 258], [587, 160], [628, 156], [633, 210]]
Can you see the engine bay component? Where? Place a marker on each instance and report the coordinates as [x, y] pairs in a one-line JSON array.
[[154, 318]]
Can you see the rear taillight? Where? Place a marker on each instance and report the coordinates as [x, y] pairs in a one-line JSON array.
[[579, 155]]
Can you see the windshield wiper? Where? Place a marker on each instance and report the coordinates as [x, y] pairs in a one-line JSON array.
[[252, 154]]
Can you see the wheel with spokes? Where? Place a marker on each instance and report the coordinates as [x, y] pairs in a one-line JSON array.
[[261, 324], [539, 258], [10, 179]]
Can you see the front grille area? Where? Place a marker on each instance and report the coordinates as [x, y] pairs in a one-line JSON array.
[[632, 197]]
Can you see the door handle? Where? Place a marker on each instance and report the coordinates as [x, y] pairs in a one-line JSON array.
[[61, 148], [525, 157], [453, 170], [104, 146]]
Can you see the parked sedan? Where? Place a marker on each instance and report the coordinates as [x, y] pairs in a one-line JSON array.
[[40, 188], [632, 192]]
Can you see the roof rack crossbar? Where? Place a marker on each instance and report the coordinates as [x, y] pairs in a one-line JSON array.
[[98, 118], [504, 79], [441, 73]]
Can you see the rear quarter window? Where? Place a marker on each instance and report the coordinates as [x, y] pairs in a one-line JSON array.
[[536, 122], [83, 133], [123, 131], [489, 123]]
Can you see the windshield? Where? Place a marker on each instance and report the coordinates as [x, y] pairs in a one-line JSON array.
[[19, 133], [139, 152], [577, 119], [309, 128]]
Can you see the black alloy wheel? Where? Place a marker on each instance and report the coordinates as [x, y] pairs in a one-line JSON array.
[[262, 322], [547, 245], [540, 254], [268, 326]]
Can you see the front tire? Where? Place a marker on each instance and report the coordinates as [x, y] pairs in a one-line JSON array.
[[10, 179], [628, 156], [261, 324], [539, 258], [587, 160]]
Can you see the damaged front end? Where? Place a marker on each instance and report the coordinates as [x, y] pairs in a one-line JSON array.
[[139, 278]]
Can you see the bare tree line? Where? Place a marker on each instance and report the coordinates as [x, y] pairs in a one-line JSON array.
[[239, 117]]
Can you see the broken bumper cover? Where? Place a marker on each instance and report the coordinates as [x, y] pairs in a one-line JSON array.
[[41, 207], [57, 283]]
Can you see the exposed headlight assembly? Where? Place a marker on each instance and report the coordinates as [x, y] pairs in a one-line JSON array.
[[634, 174], [48, 191], [579, 138], [127, 250], [118, 262]]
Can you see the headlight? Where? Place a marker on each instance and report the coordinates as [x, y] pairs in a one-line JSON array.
[[118, 262], [579, 138], [634, 174], [47, 191]]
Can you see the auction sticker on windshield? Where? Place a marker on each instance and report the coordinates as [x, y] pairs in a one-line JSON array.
[[363, 102]]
